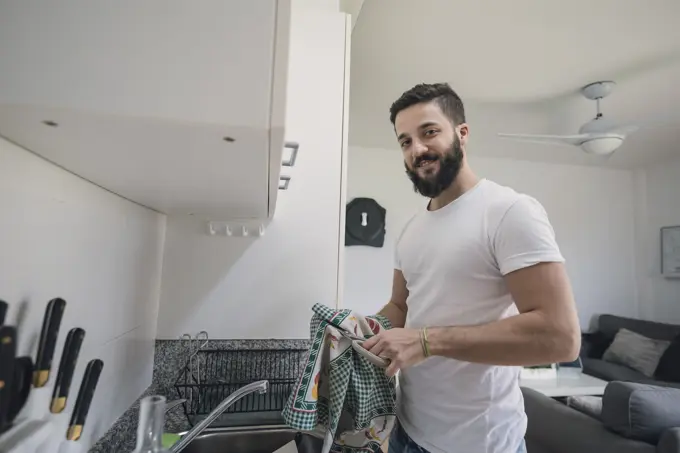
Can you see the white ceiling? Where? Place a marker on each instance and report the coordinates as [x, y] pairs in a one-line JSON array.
[[518, 67]]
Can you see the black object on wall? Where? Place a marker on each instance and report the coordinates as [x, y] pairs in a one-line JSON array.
[[365, 223]]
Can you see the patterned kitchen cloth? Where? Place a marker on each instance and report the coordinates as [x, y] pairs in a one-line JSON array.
[[341, 393]]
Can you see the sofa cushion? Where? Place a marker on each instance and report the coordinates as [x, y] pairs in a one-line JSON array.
[[669, 364], [613, 371], [639, 411], [589, 405], [636, 351]]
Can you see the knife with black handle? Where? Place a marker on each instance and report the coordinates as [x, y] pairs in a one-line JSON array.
[[3, 311], [21, 386], [67, 365], [85, 395], [8, 349], [48, 341]]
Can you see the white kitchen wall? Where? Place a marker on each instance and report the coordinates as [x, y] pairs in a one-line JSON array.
[[61, 236], [591, 209], [659, 206]]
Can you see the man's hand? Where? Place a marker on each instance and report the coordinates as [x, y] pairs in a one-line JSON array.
[[401, 346]]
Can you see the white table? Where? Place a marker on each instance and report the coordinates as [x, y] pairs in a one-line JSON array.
[[569, 382]]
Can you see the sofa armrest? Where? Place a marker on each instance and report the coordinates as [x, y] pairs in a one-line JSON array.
[[556, 428], [669, 442], [639, 411]]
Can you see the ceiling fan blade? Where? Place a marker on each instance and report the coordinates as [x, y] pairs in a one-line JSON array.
[[625, 129], [571, 140]]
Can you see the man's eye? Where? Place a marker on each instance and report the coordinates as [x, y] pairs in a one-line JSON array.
[[405, 143], [430, 132]]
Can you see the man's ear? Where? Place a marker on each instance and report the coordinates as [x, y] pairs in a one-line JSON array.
[[463, 132]]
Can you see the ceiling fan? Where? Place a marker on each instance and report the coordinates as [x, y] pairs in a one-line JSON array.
[[598, 136]]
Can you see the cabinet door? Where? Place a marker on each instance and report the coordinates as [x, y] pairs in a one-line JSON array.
[[311, 209], [265, 287]]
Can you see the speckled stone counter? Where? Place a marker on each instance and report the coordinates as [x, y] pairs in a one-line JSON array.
[[169, 360]]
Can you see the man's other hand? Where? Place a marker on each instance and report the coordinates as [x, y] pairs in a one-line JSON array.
[[402, 347]]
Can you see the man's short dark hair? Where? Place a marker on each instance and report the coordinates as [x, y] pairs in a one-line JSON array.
[[442, 93]]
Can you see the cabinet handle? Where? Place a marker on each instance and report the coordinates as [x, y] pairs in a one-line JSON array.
[[283, 182], [294, 147]]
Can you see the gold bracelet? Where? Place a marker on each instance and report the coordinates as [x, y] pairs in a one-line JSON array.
[[427, 343]]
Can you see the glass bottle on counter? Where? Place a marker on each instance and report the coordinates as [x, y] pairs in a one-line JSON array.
[[151, 425]]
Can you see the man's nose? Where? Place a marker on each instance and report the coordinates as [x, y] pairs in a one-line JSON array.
[[418, 148]]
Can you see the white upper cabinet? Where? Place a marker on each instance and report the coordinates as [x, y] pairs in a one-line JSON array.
[[177, 105]]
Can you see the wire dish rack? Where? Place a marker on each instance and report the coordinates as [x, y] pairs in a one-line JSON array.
[[215, 374]]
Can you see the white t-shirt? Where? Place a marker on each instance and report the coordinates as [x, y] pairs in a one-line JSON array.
[[454, 260]]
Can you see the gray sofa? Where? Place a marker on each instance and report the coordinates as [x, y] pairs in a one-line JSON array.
[[634, 418], [595, 343]]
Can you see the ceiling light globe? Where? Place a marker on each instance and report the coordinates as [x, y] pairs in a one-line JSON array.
[[602, 146]]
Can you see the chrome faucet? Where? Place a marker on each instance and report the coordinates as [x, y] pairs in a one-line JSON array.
[[259, 387]]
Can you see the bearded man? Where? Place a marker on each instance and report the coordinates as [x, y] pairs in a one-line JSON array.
[[479, 291]]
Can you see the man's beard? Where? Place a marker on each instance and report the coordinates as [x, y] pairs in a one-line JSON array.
[[449, 166]]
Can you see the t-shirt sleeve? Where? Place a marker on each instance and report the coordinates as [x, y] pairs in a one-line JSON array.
[[525, 237], [397, 261]]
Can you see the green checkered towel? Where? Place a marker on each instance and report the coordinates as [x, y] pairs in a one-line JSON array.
[[340, 392]]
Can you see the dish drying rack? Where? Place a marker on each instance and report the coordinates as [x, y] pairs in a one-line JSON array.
[[213, 374]]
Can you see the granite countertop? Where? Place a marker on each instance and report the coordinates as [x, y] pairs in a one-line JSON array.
[[169, 357]]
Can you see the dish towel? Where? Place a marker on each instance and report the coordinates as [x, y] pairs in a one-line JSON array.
[[341, 393]]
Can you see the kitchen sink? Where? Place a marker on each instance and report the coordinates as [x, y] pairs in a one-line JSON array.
[[266, 439]]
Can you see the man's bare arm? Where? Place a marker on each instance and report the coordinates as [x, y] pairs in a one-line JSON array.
[[396, 308], [546, 330]]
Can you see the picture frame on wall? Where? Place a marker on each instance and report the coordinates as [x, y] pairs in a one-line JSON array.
[[670, 251]]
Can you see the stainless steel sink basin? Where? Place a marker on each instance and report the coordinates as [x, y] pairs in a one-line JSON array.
[[252, 440]]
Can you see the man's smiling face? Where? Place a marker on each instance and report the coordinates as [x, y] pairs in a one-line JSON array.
[[431, 148]]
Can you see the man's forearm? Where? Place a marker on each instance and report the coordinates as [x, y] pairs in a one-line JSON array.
[[522, 340], [394, 313]]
